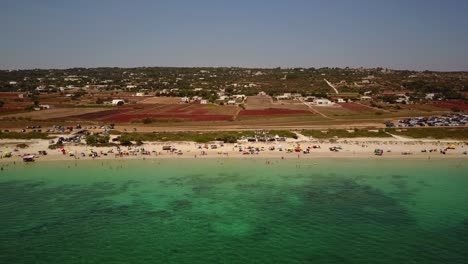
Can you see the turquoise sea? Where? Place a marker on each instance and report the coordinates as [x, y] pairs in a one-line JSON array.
[[235, 211]]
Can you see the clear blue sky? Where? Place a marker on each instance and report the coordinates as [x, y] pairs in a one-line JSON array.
[[401, 34]]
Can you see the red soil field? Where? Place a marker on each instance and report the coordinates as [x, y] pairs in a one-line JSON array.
[[189, 112], [96, 116], [120, 118], [273, 111], [355, 107], [6, 95], [452, 104]]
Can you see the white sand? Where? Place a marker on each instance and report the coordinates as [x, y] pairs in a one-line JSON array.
[[351, 148]]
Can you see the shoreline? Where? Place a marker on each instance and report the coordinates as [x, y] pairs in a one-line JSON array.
[[351, 148]]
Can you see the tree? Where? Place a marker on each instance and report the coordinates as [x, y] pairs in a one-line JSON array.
[[35, 100]]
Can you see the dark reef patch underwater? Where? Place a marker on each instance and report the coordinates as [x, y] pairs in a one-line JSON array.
[[235, 211]]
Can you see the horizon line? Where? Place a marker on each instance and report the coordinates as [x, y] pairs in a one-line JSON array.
[[240, 67]]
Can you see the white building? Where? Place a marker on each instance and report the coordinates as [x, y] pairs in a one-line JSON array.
[[430, 96], [365, 98], [140, 94], [402, 98], [340, 100], [117, 101], [322, 101], [12, 83], [184, 100], [203, 101], [285, 96], [239, 96], [44, 106]]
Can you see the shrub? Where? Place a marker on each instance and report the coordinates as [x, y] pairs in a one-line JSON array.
[[55, 146], [148, 120], [97, 139], [22, 145]]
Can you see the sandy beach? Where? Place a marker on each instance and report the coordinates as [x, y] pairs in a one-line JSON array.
[[344, 148]]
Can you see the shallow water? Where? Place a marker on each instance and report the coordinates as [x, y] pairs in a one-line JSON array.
[[235, 211]]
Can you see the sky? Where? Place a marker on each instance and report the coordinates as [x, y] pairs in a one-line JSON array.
[[397, 34]]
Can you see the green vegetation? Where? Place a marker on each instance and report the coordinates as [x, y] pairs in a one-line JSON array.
[[435, 133], [148, 120], [97, 140], [14, 118], [274, 81], [55, 146], [18, 135], [342, 133], [22, 145], [200, 137]]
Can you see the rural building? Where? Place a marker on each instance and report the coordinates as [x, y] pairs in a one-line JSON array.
[[203, 101], [240, 96], [140, 94], [262, 93], [402, 98], [430, 96], [285, 96], [365, 98], [184, 99], [196, 99], [322, 101], [44, 106], [231, 102], [117, 101], [340, 100]]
